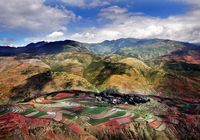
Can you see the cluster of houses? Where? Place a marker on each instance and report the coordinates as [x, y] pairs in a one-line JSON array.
[[116, 98]]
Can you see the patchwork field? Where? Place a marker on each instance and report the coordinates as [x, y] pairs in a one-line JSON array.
[[78, 115]]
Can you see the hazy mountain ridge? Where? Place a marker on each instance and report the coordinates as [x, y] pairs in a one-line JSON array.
[[40, 48], [106, 47]]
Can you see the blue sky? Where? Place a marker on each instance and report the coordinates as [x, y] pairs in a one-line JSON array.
[[26, 21]]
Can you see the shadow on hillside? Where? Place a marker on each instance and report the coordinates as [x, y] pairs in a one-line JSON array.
[[31, 88], [111, 69]]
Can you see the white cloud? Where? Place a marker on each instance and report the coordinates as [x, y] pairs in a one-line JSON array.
[[113, 12], [182, 27], [55, 35], [114, 9], [116, 13], [78, 3], [86, 3], [36, 18], [7, 41], [193, 2], [32, 16]]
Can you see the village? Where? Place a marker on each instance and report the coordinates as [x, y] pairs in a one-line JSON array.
[[117, 98]]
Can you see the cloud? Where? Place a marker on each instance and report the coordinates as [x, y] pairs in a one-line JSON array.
[[32, 16], [116, 13], [37, 21], [7, 41], [78, 3], [113, 9], [125, 24], [55, 35], [86, 3], [113, 12], [195, 3]]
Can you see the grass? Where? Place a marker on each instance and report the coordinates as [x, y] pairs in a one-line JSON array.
[[98, 121], [39, 114], [28, 111], [70, 116], [91, 111]]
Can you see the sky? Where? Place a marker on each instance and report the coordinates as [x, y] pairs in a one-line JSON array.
[[25, 21]]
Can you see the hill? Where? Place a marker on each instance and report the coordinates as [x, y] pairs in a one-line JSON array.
[[22, 79]]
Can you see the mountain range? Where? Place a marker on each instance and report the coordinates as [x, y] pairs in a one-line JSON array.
[[118, 46], [145, 66]]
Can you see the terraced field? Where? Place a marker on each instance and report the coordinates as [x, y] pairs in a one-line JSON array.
[[78, 115]]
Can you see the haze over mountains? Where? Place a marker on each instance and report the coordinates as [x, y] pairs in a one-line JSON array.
[[105, 47]]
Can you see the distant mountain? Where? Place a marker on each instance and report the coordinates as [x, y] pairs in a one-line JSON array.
[[7, 51], [38, 44], [197, 43], [44, 48], [108, 47], [142, 49]]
